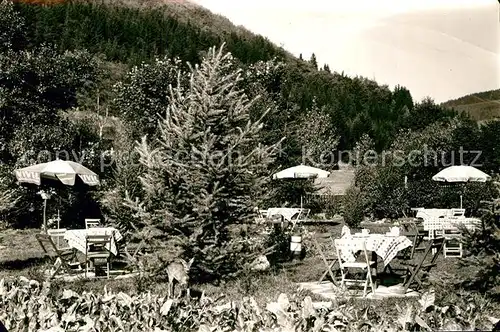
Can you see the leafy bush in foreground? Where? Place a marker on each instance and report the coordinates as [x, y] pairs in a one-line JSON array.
[[26, 305]]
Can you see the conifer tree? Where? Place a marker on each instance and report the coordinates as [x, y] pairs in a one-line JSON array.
[[313, 61], [205, 171]]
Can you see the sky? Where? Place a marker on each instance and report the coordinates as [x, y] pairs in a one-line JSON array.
[[442, 49]]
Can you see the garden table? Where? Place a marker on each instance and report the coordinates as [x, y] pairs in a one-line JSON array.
[[433, 213], [384, 245], [77, 238], [287, 213], [438, 224]]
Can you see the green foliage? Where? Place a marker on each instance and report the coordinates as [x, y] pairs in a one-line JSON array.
[[36, 86], [489, 140], [11, 27], [126, 167], [286, 192], [8, 197], [318, 139], [143, 98], [355, 106], [313, 61], [133, 35], [43, 307], [418, 155], [278, 238], [353, 206], [315, 109], [474, 98], [481, 106], [206, 169], [426, 113], [483, 251]]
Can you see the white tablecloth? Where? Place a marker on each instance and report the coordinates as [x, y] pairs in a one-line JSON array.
[[438, 224], [383, 245], [287, 213], [433, 213], [76, 237]]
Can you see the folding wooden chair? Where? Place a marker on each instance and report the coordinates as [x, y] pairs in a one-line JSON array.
[[62, 258], [457, 213], [410, 229], [418, 236], [302, 215], [418, 272], [92, 223], [57, 236], [95, 248], [452, 242], [261, 217], [132, 253], [326, 248], [348, 244]]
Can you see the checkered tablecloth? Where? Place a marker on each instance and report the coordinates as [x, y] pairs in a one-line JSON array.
[[385, 246], [76, 237], [437, 224]]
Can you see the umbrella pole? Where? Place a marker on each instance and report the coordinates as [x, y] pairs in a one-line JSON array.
[[460, 201], [301, 201], [44, 214]]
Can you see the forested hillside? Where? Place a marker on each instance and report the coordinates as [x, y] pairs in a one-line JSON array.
[[131, 35], [481, 106]]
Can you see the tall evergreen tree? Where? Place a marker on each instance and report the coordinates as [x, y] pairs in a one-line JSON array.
[[313, 61], [206, 169]]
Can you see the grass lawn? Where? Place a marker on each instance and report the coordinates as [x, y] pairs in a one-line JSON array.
[[21, 255]]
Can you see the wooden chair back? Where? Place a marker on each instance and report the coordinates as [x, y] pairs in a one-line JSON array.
[[54, 253], [323, 242], [92, 223], [353, 246], [457, 213], [58, 238], [411, 230], [47, 244], [132, 251], [433, 249], [302, 215], [97, 243], [96, 247]]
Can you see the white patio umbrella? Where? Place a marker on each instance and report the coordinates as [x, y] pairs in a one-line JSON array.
[[461, 173], [301, 172], [63, 170]]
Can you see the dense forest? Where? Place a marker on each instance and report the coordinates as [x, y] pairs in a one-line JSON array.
[[92, 77], [481, 106]]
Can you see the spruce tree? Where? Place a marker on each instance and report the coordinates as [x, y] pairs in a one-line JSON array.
[[205, 170], [313, 61]]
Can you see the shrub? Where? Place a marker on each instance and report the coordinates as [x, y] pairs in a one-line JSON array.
[[483, 252], [354, 209], [29, 305]]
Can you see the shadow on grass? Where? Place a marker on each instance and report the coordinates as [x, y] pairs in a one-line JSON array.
[[389, 279], [21, 264]]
